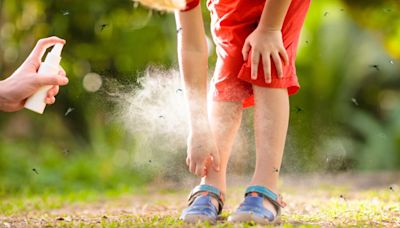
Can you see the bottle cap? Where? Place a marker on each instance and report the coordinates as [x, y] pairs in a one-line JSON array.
[[57, 49], [54, 56]]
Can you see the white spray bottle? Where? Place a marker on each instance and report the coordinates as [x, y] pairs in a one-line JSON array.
[[50, 66]]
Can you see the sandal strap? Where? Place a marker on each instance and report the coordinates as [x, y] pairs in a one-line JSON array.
[[209, 190], [274, 198]]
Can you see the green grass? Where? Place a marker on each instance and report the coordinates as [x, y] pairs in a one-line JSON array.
[[21, 203], [317, 205]]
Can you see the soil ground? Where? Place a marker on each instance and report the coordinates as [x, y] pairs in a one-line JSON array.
[[369, 199]]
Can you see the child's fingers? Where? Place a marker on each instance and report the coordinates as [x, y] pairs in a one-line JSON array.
[[200, 170], [192, 167], [267, 67], [255, 60], [245, 50], [216, 162], [283, 53], [278, 63], [187, 161]]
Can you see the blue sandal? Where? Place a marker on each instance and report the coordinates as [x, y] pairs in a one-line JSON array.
[[252, 209], [200, 207]]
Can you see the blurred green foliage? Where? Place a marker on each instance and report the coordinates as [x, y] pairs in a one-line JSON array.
[[349, 89], [345, 117]]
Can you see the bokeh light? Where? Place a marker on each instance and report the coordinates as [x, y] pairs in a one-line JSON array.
[[92, 82]]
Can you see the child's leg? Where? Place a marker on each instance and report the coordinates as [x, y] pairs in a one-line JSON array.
[[225, 118], [271, 117]]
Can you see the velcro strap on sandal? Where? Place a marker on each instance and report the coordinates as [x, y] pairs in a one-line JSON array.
[[274, 198], [210, 190]]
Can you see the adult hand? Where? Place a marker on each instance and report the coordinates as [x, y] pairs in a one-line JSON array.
[[202, 153], [25, 81], [267, 44]]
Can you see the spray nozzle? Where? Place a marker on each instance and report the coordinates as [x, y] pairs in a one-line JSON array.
[[57, 49], [54, 56]]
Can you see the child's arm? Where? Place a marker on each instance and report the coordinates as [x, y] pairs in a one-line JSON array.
[[193, 62], [274, 14], [266, 41]]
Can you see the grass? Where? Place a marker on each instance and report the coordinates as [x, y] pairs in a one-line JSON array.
[[318, 203]]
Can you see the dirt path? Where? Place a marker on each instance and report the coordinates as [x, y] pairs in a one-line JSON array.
[[346, 199]]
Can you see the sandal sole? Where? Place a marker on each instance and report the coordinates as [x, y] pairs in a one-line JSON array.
[[193, 219], [250, 217]]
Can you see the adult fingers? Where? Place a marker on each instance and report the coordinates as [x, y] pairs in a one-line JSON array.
[[53, 91], [267, 67], [278, 63], [62, 72], [41, 46], [255, 59], [245, 50], [43, 80], [50, 100]]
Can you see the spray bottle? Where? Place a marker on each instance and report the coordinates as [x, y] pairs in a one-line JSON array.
[[50, 66]]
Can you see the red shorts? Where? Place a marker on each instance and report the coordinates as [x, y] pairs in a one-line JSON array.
[[232, 22]]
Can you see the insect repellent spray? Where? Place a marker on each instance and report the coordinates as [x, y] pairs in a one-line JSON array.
[[50, 66]]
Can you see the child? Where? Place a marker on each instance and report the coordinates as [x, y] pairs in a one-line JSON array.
[[256, 44]]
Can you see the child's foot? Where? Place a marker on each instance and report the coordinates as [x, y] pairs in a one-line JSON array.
[[260, 205], [205, 204]]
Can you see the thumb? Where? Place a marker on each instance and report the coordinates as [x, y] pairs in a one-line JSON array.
[[216, 162], [245, 50], [51, 80]]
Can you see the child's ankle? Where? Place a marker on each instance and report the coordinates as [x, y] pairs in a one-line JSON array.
[[219, 186]]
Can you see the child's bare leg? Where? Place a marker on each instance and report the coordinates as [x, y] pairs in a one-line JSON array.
[[271, 117], [225, 118]]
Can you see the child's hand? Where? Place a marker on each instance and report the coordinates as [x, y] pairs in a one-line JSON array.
[[202, 153], [25, 81], [266, 44]]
